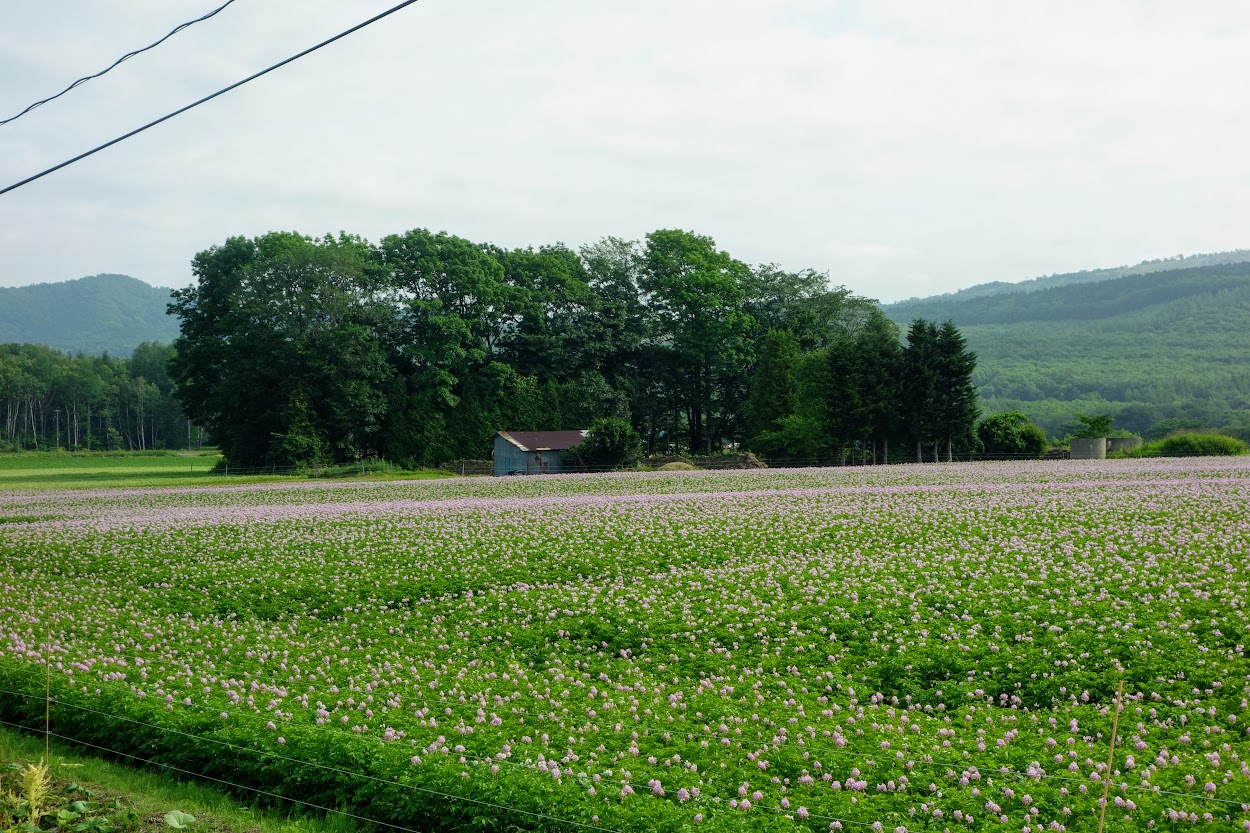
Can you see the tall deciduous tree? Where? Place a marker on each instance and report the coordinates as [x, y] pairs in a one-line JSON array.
[[694, 298], [276, 357]]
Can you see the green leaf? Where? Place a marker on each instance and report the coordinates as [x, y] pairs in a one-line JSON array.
[[98, 825], [178, 819], [81, 806]]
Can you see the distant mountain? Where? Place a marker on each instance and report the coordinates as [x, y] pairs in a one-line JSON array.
[[104, 313], [1147, 346], [1146, 267]]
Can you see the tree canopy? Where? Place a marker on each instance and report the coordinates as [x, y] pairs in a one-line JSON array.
[[300, 351]]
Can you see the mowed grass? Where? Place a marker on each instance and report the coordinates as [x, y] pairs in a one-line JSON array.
[[53, 470]]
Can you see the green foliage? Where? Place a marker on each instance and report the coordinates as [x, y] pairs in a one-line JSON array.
[[302, 445], [695, 300], [308, 352], [280, 329], [1010, 434], [938, 596], [1091, 425], [1164, 427], [612, 443], [938, 398], [1192, 444], [178, 820], [774, 385], [795, 438], [51, 400]]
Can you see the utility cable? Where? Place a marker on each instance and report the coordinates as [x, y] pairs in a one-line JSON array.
[[207, 98], [127, 56]]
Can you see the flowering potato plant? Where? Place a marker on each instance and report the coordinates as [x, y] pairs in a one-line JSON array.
[[894, 648]]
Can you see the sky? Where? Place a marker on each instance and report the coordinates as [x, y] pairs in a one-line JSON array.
[[905, 147]]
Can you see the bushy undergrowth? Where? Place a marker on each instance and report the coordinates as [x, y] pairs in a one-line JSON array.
[[1191, 444]]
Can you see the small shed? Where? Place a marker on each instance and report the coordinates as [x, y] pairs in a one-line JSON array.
[[532, 452]]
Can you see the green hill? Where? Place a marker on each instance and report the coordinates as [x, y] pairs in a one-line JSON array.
[[914, 307], [1147, 347], [105, 313]]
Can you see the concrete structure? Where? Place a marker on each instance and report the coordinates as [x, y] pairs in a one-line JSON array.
[[532, 452], [1122, 443], [1091, 448]]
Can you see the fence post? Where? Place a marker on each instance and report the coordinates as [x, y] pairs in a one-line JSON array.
[[1115, 725]]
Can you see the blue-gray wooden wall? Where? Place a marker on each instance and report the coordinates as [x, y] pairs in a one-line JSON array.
[[508, 458]]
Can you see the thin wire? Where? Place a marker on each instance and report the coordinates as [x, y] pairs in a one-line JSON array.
[[326, 767], [845, 753], [346, 772], [206, 98], [211, 778], [127, 56]]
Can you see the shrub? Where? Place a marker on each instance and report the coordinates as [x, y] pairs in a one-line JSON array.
[[1010, 434], [1192, 444], [611, 443]]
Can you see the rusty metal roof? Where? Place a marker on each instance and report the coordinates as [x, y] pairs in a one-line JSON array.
[[544, 440]]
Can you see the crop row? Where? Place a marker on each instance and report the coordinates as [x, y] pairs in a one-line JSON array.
[[925, 647]]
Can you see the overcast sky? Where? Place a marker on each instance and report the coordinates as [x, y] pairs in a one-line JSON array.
[[907, 147]]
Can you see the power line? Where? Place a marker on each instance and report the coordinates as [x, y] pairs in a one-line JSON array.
[[127, 56], [206, 98]]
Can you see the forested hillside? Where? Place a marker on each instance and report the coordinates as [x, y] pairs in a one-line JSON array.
[[918, 306], [1146, 347], [94, 315]]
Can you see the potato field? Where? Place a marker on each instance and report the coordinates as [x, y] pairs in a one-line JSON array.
[[894, 648]]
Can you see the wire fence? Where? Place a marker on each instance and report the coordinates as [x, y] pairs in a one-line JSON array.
[[219, 781], [992, 764], [348, 773]]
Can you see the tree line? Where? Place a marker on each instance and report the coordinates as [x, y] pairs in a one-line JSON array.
[[49, 399], [303, 351]]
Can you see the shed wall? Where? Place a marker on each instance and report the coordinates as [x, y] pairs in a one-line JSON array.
[[508, 459]]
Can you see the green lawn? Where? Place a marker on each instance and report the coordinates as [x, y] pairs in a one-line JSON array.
[[52, 470]]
